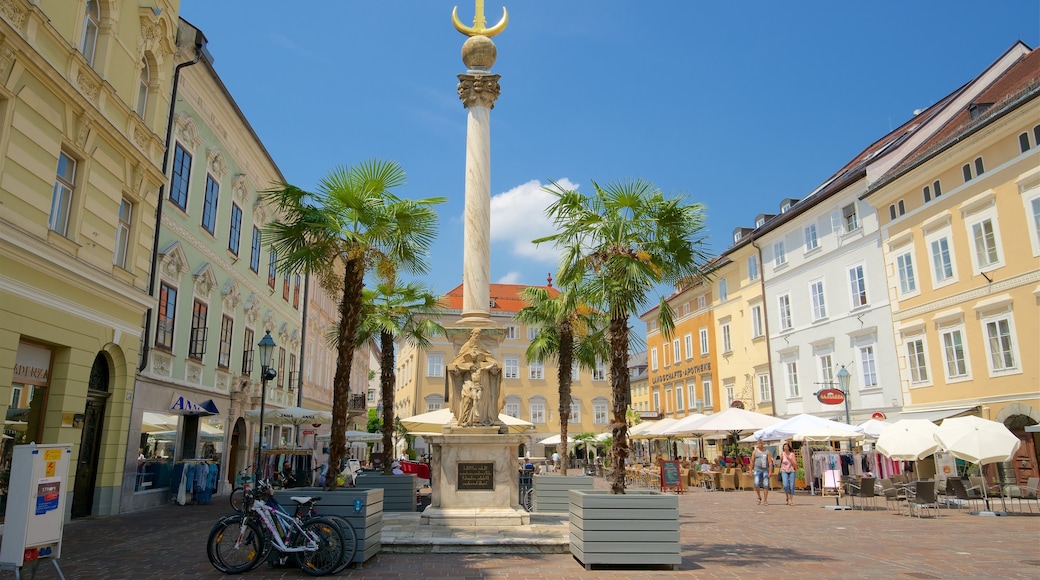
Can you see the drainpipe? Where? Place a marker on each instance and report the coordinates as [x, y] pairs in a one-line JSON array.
[[765, 321], [303, 346], [200, 51]]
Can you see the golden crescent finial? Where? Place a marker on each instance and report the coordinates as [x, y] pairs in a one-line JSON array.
[[479, 27]]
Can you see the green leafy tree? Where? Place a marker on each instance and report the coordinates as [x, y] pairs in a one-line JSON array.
[[569, 332], [619, 244], [353, 224], [392, 312]]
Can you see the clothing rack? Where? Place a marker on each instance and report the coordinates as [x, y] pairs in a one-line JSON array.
[[302, 460], [194, 481]]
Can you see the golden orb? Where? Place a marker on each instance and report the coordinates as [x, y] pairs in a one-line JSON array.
[[479, 53]]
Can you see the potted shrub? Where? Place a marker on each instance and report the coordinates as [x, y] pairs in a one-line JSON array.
[[799, 478]]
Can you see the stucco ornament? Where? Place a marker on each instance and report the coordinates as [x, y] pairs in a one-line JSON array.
[[252, 309], [173, 261], [232, 296], [205, 280]]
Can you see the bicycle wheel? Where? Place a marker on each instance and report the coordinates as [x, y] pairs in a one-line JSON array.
[[349, 541], [325, 544], [236, 545], [237, 499], [528, 501]]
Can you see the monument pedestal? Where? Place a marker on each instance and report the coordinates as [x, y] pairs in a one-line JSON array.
[[474, 478]]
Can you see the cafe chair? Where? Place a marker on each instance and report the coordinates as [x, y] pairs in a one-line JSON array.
[[893, 494], [863, 490], [747, 480], [728, 480], [923, 497], [960, 493], [1029, 493]]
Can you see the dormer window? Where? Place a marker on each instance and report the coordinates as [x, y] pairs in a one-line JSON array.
[[760, 222]]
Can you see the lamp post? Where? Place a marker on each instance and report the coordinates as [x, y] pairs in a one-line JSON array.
[[844, 377], [266, 346]]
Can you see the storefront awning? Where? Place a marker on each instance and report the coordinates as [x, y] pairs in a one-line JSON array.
[[935, 414], [183, 405]]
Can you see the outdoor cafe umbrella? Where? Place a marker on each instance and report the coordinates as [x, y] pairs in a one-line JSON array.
[[908, 440], [977, 440], [806, 424], [290, 416], [732, 420], [872, 428], [353, 436], [555, 440], [434, 421]]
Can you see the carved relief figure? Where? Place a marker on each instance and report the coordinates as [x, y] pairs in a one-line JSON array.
[[475, 395]]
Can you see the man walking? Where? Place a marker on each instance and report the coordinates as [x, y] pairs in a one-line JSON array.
[[762, 462]]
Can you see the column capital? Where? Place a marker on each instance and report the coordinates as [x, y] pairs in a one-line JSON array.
[[479, 89]]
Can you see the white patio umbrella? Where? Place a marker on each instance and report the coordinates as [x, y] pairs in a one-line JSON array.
[[641, 428], [872, 428], [732, 420], [977, 440], [681, 427], [806, 427], [354, 437], [908, 440], [659, 429], [434, 421], [555, 440], [290, 416], [841, 432]]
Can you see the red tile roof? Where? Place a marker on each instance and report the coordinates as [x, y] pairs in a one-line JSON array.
[[506, 297]]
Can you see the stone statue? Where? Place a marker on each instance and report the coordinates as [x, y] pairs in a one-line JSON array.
[[475, 396]]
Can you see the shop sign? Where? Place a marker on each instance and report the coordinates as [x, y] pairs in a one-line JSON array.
[[830, 397], [32, 365], [878, 415], [738, 404]]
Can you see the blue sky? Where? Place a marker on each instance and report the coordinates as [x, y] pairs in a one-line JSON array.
[[734, 104]]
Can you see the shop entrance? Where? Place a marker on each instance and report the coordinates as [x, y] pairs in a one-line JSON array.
[[90, 439]]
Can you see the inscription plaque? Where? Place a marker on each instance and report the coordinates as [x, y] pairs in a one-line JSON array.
[[476, 476]]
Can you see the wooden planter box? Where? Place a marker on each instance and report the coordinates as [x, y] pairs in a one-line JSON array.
[[552, 492], [367, 523], [398, 490], [638, 528]]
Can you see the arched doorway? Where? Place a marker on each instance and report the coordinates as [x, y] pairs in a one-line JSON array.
[[1021, 419], [90, 437], [236, 454]]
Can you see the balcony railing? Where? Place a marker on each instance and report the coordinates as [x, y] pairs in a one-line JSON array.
[[356, 402]]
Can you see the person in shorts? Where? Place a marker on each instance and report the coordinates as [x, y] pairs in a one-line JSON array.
[[762, 463]]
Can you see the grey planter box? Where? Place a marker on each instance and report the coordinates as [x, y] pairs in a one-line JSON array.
[[398, 490], [368, 523], [552, 492], [638, 528]]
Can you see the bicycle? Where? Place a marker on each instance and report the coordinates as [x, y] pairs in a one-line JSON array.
[[241, 490], [527, 499], [241, 542]]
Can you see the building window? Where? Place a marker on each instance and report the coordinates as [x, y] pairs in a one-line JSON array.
[[272, 263], [679, 403], [866, 357], [979, 167], [575, 415], [1023, 142], [434, 364], [902, 208], [510, 332], [892, 212], [532, 332], [167, 317], [538, 412], [966, 172], [688, 345], [282, 382], [826, 368], [926, 191], [915, 356], [779, 254], [811, 241], [512, 408], [254, 252], [723, 290], [905, 267], [653, 359], [90, 31], [985, 242], [851, 219], [700, 302], [434, 402], [706, 392], [936, 189], [296, 291], [676, 351], [765, 394], [511, 367], [792, 379], [285, 287], [180, 177], [599, 412], [535, 370], [209, 208], [657, 401], [126, 212], [953, 354], [664, 355], [600, 372], [197, 342], [858, 286], [752, 267], [247, 352], [819, 304], [756, 322], [727, 341], [704, 341], [235, 234], [61, 201], [142, 89], [784, 311], [1000, 344], [227, 326], [942, 263]]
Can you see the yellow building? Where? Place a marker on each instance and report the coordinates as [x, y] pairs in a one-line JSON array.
[[740, 331], [84, 96], [960, 223], [639, 387], [530, 387]]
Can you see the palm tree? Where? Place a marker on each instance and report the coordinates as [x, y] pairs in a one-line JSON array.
[[351, 225], [390, 312], [619, 244], [569, 331]]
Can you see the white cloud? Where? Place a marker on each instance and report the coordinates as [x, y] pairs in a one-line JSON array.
[[518, 216], [511, 278]]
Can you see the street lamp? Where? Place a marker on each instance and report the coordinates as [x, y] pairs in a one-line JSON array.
[[844, 377], [266, 346]]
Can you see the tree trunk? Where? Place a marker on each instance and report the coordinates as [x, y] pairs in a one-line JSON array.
[[349, 320], [619, 386], [386, 383], [563, 375]]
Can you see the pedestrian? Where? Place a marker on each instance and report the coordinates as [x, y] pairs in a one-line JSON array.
[[788, 465], [556, 461], [763, 464], [287, 476]]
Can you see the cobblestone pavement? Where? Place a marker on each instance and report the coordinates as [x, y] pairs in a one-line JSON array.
[[724, 535]]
